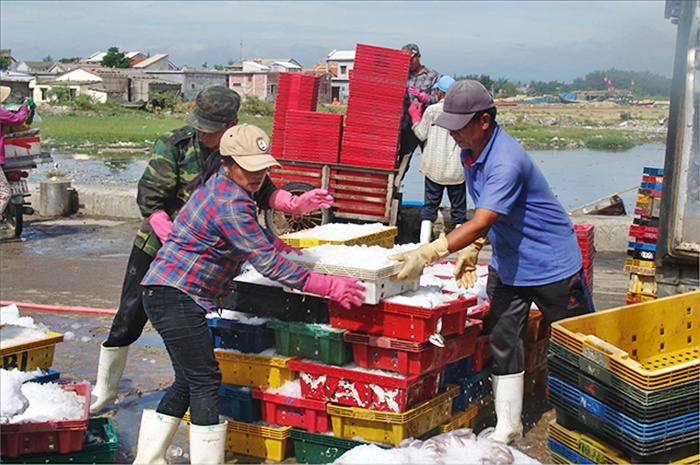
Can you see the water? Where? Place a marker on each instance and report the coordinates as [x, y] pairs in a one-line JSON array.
[[575, 176]]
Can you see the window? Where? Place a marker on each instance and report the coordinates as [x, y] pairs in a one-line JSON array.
[[343, 69]]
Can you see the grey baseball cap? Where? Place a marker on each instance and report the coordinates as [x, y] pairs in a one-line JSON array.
[[216, 106], [463, 100]]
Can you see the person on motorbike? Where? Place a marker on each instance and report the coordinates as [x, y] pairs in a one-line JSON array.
[[7, 118]]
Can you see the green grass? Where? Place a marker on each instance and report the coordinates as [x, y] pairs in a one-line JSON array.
[[99, 130], [140, 128]]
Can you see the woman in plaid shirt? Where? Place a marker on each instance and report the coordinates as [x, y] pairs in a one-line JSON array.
[[214, 234]]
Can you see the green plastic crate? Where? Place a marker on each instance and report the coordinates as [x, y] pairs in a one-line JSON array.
[[322, 448], [101, 450], [311, 341]]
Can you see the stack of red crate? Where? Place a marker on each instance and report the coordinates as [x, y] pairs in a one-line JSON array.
[[312, 136], [584, 235], [375, 105], [295, 91]]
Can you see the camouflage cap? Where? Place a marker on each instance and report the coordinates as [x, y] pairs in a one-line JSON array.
[[216, 106], [413, 48]]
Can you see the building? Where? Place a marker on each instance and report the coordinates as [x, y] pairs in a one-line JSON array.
[[192, 80], [344, 61], [96, 58]]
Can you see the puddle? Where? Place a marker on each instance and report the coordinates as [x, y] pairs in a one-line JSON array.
[[150, 339]]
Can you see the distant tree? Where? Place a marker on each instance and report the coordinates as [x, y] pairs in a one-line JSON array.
[[115, 59], [4, 63], [204, 65], [219, 67], [231, 61], [69, 60], [47, 58]]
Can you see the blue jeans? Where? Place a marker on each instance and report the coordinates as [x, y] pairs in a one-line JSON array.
[[432, 197], [183, 326]]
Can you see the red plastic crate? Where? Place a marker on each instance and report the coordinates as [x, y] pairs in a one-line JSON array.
[[644, 232], [482, 354], [63, 436], [410, 358], [480, 312], [354, 388], [306, 414], [583, 229], [403, 321]]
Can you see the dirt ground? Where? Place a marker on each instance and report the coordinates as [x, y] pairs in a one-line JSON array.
[[80, 262]]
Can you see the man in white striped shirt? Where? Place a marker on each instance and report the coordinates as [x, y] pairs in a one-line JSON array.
[[440, 163]]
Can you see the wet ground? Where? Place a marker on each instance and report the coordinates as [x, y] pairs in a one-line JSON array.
[[80, 261]]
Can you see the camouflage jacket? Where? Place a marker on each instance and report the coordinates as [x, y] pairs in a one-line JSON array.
[[177, 158], [424, 82]]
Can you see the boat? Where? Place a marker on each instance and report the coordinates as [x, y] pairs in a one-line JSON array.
[[612, 205]]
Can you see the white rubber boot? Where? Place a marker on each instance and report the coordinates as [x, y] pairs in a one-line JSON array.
[[207, 444], [109, 371], [508, 401], [426, 231], [155, 435]]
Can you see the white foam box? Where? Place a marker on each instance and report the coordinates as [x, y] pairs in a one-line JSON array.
[[22, 146]]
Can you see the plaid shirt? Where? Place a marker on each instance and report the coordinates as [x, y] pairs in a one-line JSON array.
[[213, 235]]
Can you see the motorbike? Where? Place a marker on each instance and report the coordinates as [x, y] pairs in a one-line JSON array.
[[17, 207]]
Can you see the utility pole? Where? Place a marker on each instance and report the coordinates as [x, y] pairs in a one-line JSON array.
[[241, 49]]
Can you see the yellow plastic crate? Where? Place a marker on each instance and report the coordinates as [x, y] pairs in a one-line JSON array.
[[642, 285], [651, 344], [640, 267], [264, 442], [383, 238], [392, 428], [253, 370], [595, 450], [459, 420], [29, 356], [558, 459], [592, 449], [637, 298]]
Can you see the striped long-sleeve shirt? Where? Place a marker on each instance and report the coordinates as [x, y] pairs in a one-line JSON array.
[[213, 235]]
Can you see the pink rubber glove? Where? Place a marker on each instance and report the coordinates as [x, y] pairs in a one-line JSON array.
[[414, 111], [422, 97], [314, 199], [283, 247], [344, 290], [161, 224]]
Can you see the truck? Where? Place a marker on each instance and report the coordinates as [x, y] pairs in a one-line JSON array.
[[678, 246]]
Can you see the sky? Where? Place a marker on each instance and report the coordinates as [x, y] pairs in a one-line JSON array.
[[525, 40]]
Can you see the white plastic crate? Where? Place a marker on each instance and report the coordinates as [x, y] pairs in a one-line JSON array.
[[377, 289]]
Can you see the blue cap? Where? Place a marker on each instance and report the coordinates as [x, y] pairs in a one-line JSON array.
[[444, 83]]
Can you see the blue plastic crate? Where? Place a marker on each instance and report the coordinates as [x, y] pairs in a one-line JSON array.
[[653, 171], [471, 389], [622, 398], [664, 450], [237, 403], [639, 431], [48, 376], [458, 370], [652, 185], [641, 246], [245, 337], [569, 454]]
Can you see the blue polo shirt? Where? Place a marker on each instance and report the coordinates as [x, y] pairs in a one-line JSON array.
[[533, 240]]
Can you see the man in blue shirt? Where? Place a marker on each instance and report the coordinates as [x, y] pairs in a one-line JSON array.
[[535, 257]]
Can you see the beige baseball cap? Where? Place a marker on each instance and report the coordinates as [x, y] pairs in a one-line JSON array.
[[249, 146]]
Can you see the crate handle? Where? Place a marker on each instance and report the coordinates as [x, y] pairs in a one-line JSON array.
[[593, 345]]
